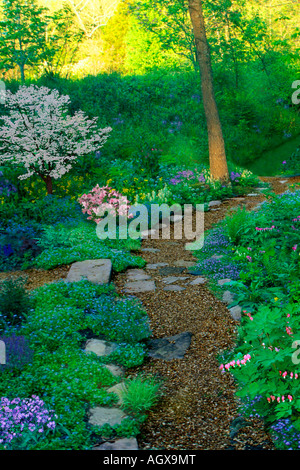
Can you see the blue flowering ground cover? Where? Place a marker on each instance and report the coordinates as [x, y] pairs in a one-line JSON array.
[[46, 396]]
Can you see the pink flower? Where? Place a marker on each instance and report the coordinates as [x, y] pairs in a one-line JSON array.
[[294, 247]]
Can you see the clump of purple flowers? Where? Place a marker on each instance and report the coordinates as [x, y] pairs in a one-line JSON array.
[[22, 417], [234, 176], [285, 435], [181, 176]]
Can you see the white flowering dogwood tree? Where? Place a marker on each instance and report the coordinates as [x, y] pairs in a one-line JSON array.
[[39, 136]]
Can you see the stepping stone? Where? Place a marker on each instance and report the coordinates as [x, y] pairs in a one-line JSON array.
[[283, 181], [101, 415], [215, 209], [146, 233], [119, 444], [170, 270], [97, 271], [221, 282], [119, 390], [228, 297], [241, 198], [214, 203], [137, 275], [236, 312], [132, 287], [150, 250], [184, 263], [174, 287], [253, 194], [100, 347], [176, 218], [171, 279], [171, 347], [198, 280], [115, 370], [155, 265]]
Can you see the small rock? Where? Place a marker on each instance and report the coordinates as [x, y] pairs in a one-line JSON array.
[[236, 312], [283, 181], [221, 282], [184, 263], [171, 279], [101, 415], [139, 286], [150, 250], [100, 347], [146, 233], [214, 203], [217, 256], [137, 275], [119, 444], [171, 347], [115, 370], [253, 194], [174, 287], [198, 280], [97, 271], [228, 297], [165, 271], [119, 390], [176, 218], [155, 265]]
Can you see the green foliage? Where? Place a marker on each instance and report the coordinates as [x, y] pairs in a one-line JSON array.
[[140, 394], [15, 302]]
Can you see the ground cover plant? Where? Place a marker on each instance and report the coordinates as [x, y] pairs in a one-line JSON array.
[[262, 248], [61, 379]]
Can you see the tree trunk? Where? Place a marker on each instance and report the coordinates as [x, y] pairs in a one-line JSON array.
[[217, 155], [49, 186]]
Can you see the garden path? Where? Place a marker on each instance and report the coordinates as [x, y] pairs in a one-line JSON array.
[[198, 410]]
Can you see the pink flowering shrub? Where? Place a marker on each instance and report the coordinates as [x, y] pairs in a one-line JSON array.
[[39, 135], [101, 200]]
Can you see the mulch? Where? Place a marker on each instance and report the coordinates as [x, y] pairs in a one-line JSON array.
[[199, 403]]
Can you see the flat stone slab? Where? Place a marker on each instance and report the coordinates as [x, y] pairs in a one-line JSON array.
[[155, 265], [176, 218], [184, 263], [119, 389], [283, 181], [253, 194], [228, 297], [139, 286], [171, 347], [174, 287], [171, 279], [214, 203], [150, 250], [97, 271], [100, 347], [197, 281], [115, 370], [170, 270], [119, 444], [221, 282], [137, 275], [236, 312], [101, 415]]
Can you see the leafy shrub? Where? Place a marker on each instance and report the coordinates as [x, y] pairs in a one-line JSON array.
[[15, 302]]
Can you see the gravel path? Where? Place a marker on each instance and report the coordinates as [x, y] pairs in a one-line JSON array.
[[199, 404]]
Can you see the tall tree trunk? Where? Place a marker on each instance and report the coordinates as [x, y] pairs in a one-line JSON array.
[[48, 180], [217, 155]]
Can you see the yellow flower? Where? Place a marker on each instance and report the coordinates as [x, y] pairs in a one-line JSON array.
[[275, 298]]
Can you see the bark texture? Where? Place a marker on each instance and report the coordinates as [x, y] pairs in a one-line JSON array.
[[217, 154]]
